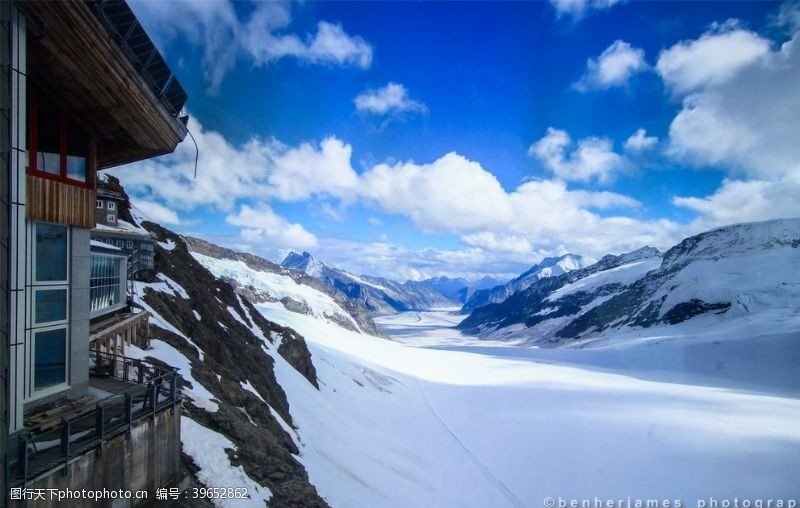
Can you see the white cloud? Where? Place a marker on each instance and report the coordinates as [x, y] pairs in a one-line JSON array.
[[576, 9], [487, 240], [640, 141], [392, 98], [715, 57], [452, 195], [262, 37], [261, 226], [456, 195], [740, 94], [259, 169], [225, 172], [156, 212], [329, 45], [593, 158], [745, 201], [613, 67], [789, 16], [740, 117], [298, 173]]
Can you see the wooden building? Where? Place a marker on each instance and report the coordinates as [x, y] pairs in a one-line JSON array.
[[82, 89]]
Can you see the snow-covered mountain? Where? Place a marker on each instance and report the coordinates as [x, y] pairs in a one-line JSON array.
[[748, 272], [306, 412], [548, 267], [379, 295], [261, 280], [305, 263], [555, 266]]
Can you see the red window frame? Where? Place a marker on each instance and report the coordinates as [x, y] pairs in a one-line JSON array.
[[63, 122]]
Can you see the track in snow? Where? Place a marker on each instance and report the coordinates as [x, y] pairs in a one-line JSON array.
[[484, 470]]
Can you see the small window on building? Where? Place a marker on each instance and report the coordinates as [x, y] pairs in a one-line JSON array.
[[130, 244], [59, 147], [112, 205], [99, 203], [111, 217], [50, 358], [51, 252], [120, 243], [50, 306]]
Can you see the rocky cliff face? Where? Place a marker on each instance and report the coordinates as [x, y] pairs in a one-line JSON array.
[[230, 349]]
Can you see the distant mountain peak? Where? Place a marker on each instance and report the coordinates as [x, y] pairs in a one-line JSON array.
[[554, 266], [304, 262]]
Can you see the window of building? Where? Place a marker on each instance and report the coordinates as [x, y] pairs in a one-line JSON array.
[[50, 358], [120, 243], [130, 244], [99, 203], [106, 283], [51, 246], [112, 205], [49, 334], [59, 147], [112, 217], [50, 305]]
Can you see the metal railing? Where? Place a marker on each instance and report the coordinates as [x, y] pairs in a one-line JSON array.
[[121, 23], [54, 443]]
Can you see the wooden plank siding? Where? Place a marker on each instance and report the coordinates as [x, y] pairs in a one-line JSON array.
[[53, 201]]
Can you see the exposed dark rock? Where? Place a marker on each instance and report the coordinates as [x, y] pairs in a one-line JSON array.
[[229, 334], [692, 308]]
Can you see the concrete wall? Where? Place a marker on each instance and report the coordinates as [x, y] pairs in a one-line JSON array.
[[79, 312], [146, 461]]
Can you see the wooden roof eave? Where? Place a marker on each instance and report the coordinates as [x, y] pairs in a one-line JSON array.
[[76, 61]]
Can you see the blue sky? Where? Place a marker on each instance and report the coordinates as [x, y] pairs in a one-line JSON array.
[[413, 139]]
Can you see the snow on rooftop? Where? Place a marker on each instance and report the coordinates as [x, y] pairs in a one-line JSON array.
[[103, 245]]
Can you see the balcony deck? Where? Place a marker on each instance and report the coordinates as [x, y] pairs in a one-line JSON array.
[[114, 333], [123, 392]]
